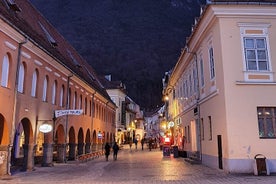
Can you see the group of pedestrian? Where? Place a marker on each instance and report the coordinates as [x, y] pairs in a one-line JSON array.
[[115, 149]]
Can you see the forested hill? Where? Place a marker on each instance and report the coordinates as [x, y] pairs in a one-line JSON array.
[[136, 41]]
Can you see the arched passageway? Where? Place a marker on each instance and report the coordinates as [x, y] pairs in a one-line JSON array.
[[23, 146]]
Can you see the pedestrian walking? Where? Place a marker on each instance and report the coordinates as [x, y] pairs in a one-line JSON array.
[[135, 142], [130, 144], [150, 144], [142, 143], [107, 150], [115, 150]]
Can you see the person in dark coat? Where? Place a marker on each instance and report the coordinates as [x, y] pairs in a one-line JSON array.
[[107, 150], [115, 150]]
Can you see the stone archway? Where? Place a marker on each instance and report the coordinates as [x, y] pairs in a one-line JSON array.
[[59, 142], [23, 146], [87, 142], [94, 141], [80, 141], [72, 144], [4, 148]]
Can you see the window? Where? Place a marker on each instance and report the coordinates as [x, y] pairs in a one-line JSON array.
[[202, 129], [61, 96], [5, 71], [45, 86], [21, 78], [212, 64], [210, 128], [68, 105], [75, 100], [80, 102], [34, 83], [195, 79], [267, 122], [85, 106], [54, 92], [201, 72], [256, 57]]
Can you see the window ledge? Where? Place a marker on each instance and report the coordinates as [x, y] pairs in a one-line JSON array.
[[254, 83]]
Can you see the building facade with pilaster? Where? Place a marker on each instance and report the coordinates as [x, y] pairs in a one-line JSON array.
[[222, 89], [41, 74]]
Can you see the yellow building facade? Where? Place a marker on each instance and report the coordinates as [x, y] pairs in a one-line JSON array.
[[222, 89]]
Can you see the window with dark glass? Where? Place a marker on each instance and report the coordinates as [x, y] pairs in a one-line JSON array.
[[267, 122]]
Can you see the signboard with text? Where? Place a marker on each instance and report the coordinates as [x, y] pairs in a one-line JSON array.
[[59, 113]]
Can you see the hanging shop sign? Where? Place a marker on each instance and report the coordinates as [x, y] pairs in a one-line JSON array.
[[45, 128], [59, 113], [171, 124]]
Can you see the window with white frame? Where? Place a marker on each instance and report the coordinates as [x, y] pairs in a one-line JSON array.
[[201, 72], [85, 105], [34, 83], [21, 77], [54, 92], [195, 79], [45, 87], [75, 100], [61, 96], [5, 71], [267, 122], [212, 63], [256, 56], [80, 102]]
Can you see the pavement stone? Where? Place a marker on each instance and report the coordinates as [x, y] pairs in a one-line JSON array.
[[132, 167]]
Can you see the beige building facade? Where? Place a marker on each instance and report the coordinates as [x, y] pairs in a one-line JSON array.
[[222, 89], [42, 79]]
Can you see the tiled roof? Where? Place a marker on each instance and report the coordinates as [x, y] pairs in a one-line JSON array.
[[27, 20], [112, 84]]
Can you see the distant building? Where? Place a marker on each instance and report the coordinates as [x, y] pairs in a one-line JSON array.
[[129, 117], [221, 92]]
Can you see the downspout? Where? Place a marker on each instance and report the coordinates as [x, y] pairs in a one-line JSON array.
[[13, 129], [66, 120], [92, 119]]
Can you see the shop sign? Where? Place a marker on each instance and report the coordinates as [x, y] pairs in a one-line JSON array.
[[45, 128]]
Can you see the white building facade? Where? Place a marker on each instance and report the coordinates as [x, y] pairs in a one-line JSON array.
[[222, 89]]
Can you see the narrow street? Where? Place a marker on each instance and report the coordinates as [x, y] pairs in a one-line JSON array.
[[132, 166]]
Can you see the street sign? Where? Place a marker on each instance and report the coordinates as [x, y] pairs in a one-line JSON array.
[[59, 113]]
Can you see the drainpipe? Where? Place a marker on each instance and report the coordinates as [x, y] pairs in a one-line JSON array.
[[13, 129], [67, 108], [92, 121]]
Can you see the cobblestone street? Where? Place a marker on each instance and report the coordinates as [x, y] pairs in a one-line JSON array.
[[132, 166]]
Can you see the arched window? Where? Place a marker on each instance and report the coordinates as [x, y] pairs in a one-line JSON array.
[[80, 102], [69, 98], [85, 105], [34, 83], [5, 71], [54, 92], [45, 87], [75, 100], [61, 96], [21, 77]]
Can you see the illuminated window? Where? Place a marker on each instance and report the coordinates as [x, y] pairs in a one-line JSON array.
[[267, 122], [5, 71]]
